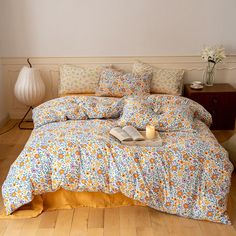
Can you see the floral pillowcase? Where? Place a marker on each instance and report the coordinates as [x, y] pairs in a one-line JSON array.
[[140, 68], [169, 81], [139, 113], [116, 83], [76, 79]]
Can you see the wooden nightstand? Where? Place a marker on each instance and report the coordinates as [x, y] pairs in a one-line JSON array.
[[219, 100]]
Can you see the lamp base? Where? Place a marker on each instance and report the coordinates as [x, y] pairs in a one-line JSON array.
[[22, 120]]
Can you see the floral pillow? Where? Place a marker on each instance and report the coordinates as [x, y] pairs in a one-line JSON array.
[[76, 79], [169, 81], [141, 69], [115, 83], [139, 113]]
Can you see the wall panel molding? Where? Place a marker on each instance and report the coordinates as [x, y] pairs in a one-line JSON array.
[[49, 68]]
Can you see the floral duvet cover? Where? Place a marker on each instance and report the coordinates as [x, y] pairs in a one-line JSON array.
[[70, 148]]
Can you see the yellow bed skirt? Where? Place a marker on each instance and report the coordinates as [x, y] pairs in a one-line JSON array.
[[63, 199]]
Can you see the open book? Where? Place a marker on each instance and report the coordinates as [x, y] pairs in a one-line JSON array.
[[132, 137], [127, 133]]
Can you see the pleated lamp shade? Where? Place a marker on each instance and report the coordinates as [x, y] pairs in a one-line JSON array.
[[29, 87]]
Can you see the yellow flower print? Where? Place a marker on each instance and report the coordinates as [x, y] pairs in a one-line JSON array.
[[186, 206], [192, 168], [179, 193], [152, 160], [174, 168], [209, 213], [36, 155], [135, 175], [61, 156], [99, 155]]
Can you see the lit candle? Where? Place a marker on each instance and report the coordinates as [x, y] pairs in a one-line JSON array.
[[150, 132]]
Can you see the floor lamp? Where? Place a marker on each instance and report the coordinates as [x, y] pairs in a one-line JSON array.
[[29, 88]]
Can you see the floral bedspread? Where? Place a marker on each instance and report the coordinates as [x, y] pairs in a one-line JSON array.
[[189, 175]]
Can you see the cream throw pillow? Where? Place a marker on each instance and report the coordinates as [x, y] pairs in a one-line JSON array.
[[164, 80], [142, 69], [76, 79], [168, 81]]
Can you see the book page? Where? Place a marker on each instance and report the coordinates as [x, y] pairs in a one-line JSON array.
[[133, 133], [156, 142], [120, 134]]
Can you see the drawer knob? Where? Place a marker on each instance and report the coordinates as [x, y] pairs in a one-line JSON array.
[[215, 100]]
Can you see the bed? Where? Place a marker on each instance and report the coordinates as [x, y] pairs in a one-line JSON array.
[[71, 160]]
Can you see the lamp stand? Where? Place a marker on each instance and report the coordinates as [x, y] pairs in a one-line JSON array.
[[22, 120]]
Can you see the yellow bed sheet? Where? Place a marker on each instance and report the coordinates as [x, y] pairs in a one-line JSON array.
[[63, 199]]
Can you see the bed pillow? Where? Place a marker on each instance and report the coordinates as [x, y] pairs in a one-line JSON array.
[[169, 81], [139, 113], [76, 79], [116, 83], [141, 69]]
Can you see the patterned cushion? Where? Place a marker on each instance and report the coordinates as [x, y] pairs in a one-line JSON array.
[[140, 68], [139, 113], [115, 83], [168, 81], [75, 79]]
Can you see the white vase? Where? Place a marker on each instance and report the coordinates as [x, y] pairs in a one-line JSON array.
[[29, 87]]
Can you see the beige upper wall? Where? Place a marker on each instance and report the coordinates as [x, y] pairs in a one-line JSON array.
[[67, 28]]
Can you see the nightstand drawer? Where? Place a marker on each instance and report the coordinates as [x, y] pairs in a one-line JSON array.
[[215, 101], [219, 100]]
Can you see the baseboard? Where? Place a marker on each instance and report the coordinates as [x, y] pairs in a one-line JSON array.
[[4, 120]]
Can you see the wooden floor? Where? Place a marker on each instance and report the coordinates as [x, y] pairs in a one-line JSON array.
[[118, 221]]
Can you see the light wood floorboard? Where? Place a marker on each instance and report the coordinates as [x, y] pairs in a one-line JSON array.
[[124, 221]]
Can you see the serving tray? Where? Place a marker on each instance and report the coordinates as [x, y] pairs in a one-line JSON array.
[[156, 142]]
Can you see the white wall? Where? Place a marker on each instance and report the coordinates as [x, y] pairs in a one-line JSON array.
[[114, 31], [67, 28]]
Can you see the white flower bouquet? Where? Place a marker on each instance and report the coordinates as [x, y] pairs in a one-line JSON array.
[[212, 55]]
